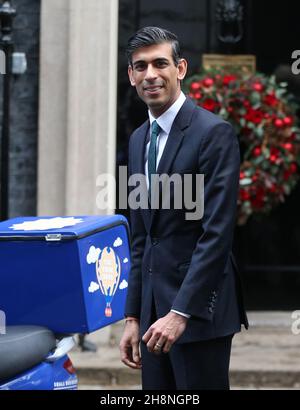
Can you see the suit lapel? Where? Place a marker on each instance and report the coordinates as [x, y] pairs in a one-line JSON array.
[[140, 148], [174, 141], [140, 166], [182, 121], [170, 150]]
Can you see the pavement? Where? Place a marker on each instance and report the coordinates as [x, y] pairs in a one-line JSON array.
[[267, 356]]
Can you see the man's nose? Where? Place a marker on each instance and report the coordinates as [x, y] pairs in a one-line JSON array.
[[151, 73]]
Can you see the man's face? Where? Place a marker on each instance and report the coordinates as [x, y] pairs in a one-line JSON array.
[[156, 77]]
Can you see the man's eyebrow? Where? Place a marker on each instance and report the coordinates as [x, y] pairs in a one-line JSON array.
[[139, 62], [158, 59], [162, 59]]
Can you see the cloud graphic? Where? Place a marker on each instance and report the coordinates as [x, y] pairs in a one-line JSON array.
[[125, 260], [123, 284], [44, 224], [118, 242], [93, 255], [93, 287]]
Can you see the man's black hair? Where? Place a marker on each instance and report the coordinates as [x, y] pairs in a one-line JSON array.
[[149, 36]]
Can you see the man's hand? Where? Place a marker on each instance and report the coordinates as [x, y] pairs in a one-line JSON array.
[[164, 332], [129, 345]]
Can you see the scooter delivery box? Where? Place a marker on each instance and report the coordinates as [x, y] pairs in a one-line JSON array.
[[69, 274]]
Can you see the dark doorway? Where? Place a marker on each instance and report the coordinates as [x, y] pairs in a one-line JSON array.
[[268, 248]]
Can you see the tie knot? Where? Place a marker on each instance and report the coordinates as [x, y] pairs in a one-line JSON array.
[[155, 128]]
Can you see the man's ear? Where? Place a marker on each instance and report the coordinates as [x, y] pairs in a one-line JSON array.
[[182, 69], [130, 75]]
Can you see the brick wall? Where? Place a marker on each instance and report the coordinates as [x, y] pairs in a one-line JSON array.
[[24, 112]]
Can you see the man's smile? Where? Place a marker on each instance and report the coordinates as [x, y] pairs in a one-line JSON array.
[[153, 89]]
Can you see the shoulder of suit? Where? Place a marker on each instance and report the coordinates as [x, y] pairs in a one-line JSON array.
[[208, 120], [140, 129]]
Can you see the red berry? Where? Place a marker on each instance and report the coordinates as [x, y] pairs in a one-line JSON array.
[[288, 120], [293, 168], [288, 146], [257, 151], [278, 123], [244, 195], [257, 86], [195, 86], [208, 82]]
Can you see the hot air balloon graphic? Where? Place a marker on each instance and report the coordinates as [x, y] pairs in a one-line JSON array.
[[108, 269]]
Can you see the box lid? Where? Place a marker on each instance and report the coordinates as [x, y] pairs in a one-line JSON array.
[[57, 228]]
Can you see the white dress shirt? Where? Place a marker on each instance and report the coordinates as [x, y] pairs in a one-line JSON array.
[[165, 121]]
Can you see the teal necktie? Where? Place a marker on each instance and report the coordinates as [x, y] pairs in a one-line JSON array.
[[152, 153]]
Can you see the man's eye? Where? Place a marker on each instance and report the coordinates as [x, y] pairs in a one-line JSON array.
[[161, 64], [140, 67]]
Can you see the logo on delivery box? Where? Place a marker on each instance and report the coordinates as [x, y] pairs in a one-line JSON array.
[[108, 272]]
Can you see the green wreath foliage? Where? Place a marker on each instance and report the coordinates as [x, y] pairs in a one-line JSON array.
[[264, 116]]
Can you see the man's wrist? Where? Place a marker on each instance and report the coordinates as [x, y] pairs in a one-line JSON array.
[[131, 319], [186, 315]]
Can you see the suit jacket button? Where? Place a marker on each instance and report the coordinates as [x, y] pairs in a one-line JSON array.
[[150, 270], [210, 309], [154, 241]]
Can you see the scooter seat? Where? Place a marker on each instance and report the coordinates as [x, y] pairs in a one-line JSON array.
[[23, 347]]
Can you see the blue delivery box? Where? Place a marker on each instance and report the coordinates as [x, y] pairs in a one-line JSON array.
[[69, 274]]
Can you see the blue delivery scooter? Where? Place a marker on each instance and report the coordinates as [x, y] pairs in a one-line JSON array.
[[33, 358], [58, 277]]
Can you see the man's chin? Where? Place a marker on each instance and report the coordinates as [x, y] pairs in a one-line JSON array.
[[155, 103]]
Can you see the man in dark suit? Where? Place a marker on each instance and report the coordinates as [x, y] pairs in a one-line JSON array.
[[184, 295]]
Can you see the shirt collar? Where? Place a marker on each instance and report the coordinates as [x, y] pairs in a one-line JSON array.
[[165, 121]]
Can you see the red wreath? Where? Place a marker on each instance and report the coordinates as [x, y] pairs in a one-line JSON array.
[[264, 117]]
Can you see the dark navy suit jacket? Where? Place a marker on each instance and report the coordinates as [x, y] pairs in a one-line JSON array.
[[188, 265]]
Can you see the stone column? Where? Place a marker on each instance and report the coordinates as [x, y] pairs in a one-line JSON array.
[[77, 108], [77, 115]]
